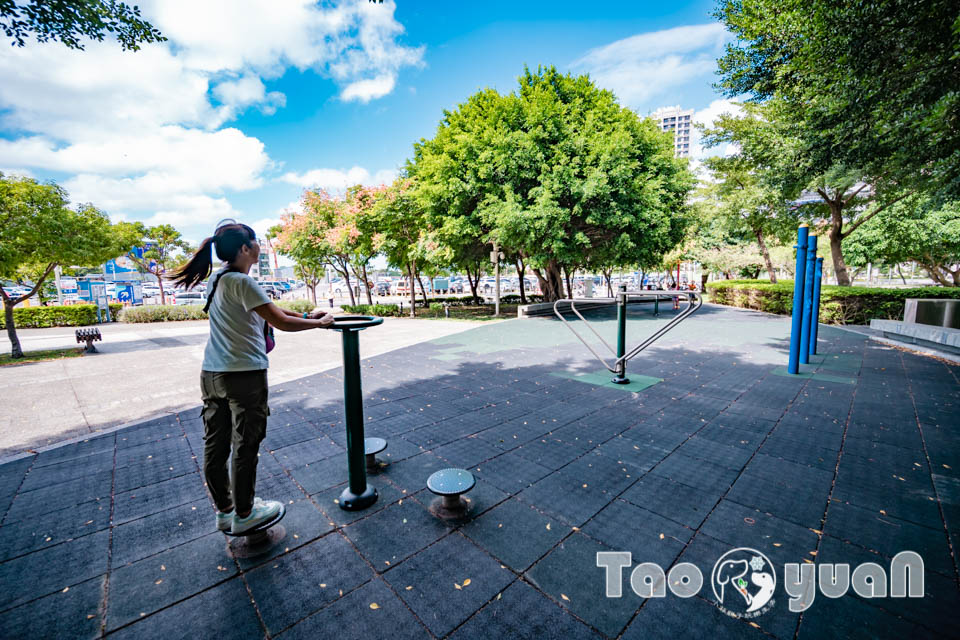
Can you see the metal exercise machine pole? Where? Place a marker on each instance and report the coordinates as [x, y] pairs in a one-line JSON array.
[[621, 366], [793, 363], [808, 299], [357, 495], [815, 327]]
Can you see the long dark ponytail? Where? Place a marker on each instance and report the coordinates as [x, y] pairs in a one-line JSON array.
[[227, 241]]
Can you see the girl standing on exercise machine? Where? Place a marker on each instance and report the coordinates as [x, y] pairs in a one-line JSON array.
[[233, 380]]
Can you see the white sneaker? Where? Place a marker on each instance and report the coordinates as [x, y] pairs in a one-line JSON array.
[[263, 511]]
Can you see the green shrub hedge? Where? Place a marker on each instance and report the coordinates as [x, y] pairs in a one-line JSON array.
[[381, 310], [838, 305], [68, 315], [300, 306], [163, 313]]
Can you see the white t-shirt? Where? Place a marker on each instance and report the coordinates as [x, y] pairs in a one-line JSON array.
[[236, 340]]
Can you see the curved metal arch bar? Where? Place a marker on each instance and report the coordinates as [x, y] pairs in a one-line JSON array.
[[694, 302]]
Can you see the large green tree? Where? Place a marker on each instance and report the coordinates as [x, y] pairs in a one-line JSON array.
[[162, 249], [69, 21], [921, 229], [39, 231], [558, 173], [401, 235], [872, 83]]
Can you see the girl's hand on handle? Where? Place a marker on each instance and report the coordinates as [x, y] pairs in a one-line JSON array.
[[326, 320]]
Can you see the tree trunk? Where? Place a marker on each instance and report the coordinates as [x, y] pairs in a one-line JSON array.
[[474, 283], [900, 271], [15, 350], [566, 276], [411, 267], [551, 281], [766, 257], [608, 276], [312, 291], [163, 295], [422, 292], [366, 283], [836, 245], [521, 269]]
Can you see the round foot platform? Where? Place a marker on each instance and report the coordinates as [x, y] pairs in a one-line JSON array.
[[621, 381], [450, 484], [260, 539], [350, 501], [371, 447]]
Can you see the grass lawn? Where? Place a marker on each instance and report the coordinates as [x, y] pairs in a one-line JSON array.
[[37, 356]]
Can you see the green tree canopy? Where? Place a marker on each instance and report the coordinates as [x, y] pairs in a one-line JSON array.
[[68, 21], [872, 84], [919, 229], [39, 231], [556, 172]]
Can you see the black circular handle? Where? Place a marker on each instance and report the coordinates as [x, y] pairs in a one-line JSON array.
[[354, 322]]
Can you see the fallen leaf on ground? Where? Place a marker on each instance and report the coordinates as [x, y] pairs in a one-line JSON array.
[[564, 596], [374, 605]]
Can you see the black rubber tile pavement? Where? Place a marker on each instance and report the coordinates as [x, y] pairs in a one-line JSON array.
[[367, 612], [157, 497], [151, 534], [451, 580], [516, 533], [152, 471], [395, 533], [567, 497], [43, 572], [648, 537], [521, 612], [225, 607], [782, 541], [704, 551], [695, 472], [293, 586], [599, 470], [549, 452], [511, 472], [732, 457], [317, 448], [321, 475], [329, 501], [888, 535], [805, 454], [849, 617], [679, 502], [466, 452], [570, 576], [24, 536], [77, 614], [41, 477], [31, 504], [670, 617], [791, 491], [939, 608], [174, 574]]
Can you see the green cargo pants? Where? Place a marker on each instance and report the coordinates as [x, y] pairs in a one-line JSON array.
[[234, 418]]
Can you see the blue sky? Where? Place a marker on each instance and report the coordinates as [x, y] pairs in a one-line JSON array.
[[250, 102]]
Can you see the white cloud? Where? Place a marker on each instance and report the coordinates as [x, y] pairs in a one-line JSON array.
[[367, 90], [707, 117], [142, 132], [23, 173], [648, 65], [336, 180]]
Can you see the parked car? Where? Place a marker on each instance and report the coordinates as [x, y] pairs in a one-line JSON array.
[[189, 297], [383, 288]]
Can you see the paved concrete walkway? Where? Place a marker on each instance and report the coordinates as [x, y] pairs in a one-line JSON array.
[[852, 462], [144, 370]]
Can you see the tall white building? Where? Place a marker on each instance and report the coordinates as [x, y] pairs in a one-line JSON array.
[[678, 121]]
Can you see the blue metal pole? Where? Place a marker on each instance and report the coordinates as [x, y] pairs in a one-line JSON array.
[[808, 300], [793, 364], [814, 329]]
